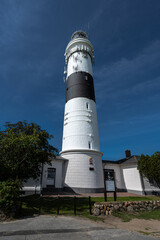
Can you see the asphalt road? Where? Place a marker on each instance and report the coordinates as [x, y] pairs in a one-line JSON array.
[[72, 228]]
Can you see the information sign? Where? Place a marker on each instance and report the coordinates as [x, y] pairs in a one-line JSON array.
[[110, 186], [109, 183]]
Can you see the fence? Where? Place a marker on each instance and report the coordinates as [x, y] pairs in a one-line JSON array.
[[54, 205]]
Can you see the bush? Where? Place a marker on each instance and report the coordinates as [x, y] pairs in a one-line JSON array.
[[9, 196], [149, 167]]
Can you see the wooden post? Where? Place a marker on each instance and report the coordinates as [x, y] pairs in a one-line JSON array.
[[105, 194], [115, 191], [90, 207], [58, 205], [115, 195], [74, 205]]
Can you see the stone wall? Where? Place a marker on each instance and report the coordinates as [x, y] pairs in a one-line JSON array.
[[106, 208]]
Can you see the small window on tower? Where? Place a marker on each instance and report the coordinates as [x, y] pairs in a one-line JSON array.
[[86, 77], [89, 145], [87, 105]]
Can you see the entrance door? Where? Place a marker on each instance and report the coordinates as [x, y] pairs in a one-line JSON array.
[[51, 177]]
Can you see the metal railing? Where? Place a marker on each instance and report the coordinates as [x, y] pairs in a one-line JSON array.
[[40, 203]]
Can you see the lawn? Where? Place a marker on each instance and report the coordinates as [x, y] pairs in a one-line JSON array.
[[126, 217], [32, 205]]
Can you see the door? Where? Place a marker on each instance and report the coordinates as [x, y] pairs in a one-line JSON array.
[[51, 177]]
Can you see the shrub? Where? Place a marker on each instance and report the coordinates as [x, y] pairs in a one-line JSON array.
[[149, 167], [9, 196]]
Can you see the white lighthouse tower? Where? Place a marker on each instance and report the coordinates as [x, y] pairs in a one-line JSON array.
[[80, 131]]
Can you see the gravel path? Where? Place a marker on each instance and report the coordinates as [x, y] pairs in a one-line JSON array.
[[52, 227]]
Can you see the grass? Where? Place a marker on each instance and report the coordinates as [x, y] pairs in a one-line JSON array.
[[154, 234], [126, 217], [31, 204], [119, 199], [145, 233]]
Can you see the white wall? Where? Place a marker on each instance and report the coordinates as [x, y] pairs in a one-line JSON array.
[[78, 174], [59, 165], [127, 175], [77, 62], [80, 125], [32, 185], [132, 179]]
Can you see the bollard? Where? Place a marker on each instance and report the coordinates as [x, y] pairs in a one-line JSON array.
[[74, 205]]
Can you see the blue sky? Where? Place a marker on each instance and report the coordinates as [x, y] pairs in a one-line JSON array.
[[126, 39]]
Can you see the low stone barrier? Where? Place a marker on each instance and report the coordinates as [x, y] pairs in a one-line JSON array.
[[106, 208]]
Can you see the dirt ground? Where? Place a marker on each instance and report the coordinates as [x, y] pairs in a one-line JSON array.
[[148, 227]]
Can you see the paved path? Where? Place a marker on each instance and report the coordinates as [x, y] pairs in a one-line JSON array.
[[52, 227]]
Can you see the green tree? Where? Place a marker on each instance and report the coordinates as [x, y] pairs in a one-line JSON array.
[[23, 149], [149, 167]]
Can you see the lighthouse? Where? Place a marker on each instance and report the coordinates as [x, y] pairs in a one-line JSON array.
[[80, 143]]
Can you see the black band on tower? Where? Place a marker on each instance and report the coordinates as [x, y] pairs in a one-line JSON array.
[[80, 84]]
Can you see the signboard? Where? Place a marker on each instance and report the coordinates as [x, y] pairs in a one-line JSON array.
[[110, 186], [109, 183]]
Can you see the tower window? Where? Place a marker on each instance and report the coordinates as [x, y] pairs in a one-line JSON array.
[[85, 55], [86, 77], [91, 169], [87, 105], [89, 145]]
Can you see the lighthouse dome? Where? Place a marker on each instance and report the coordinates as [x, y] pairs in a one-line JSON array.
[[79, 34]]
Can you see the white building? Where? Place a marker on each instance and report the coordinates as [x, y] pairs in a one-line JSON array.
[[127, 176], [51, 179]]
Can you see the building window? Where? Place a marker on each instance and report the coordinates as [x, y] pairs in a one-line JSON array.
[[51, 176], [51, 173], [86, 77], [89, 145]]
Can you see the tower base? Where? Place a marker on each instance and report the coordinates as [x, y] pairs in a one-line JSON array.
[[84, 173]]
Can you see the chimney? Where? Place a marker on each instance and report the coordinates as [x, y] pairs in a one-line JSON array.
[[128, 153]]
